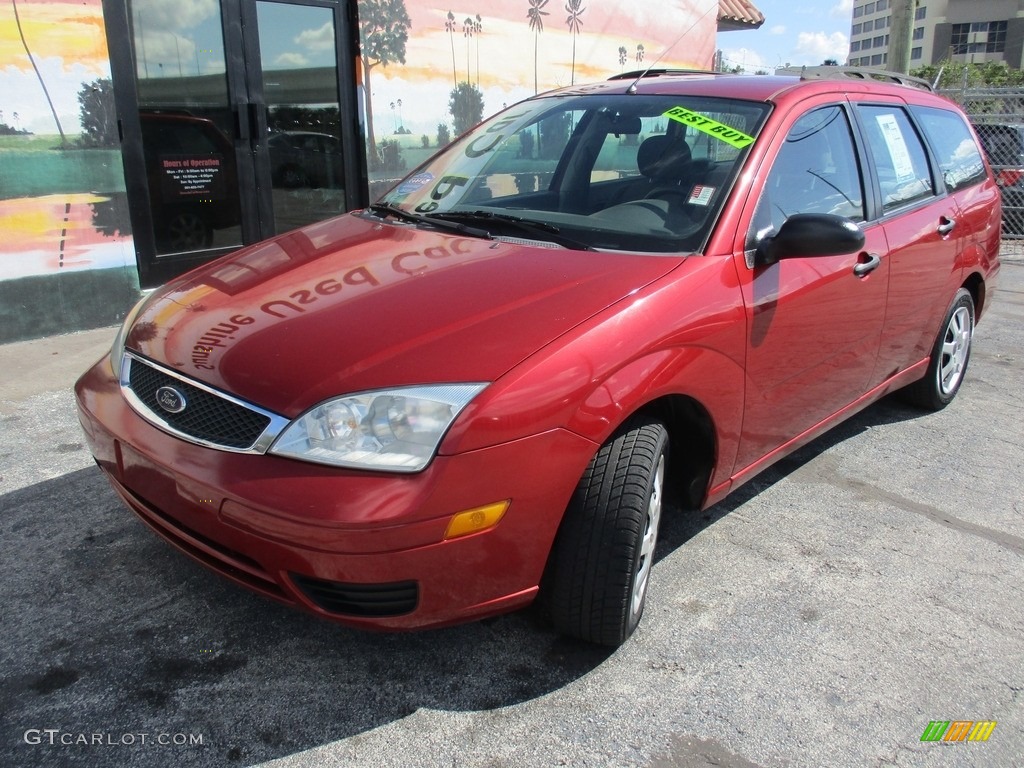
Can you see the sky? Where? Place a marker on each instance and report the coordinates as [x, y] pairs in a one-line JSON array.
[[795, 32]]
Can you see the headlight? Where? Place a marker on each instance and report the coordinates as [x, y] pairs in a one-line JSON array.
[[117, 348], [396, 430]]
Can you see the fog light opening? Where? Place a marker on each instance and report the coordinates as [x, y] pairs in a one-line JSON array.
[[476, 519]]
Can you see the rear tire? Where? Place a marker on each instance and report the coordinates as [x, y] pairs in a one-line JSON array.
[[950, 355], [600, 566]]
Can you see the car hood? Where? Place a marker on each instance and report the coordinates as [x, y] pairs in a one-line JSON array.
[[355, 304]]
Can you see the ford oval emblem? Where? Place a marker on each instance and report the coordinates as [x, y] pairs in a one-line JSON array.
[[171, 399]]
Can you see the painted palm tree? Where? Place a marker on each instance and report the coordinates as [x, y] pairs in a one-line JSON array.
[[573, 22], [478, 29], [449, 26], [623, 55], [46, 93], [639, 52], [384, 32], [535, 15], [467, 32]]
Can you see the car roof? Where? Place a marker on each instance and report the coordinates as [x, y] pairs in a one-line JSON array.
[[762, 88]]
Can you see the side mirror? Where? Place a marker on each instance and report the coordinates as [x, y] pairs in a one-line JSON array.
[[810, 234]]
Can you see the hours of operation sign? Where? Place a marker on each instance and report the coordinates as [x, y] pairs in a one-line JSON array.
[[191, 177]]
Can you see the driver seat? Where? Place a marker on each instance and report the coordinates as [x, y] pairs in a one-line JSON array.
[[667, 164], [664, 160]]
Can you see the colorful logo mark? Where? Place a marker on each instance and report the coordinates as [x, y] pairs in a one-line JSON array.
[[958, 730]]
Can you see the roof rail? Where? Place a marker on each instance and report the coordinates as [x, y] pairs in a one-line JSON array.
[[637, 74], [856, 73]]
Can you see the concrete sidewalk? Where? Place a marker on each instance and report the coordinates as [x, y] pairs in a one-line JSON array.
[[40, 437], [48, 364]]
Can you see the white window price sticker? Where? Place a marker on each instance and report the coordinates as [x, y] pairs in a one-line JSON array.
[[897, 147]]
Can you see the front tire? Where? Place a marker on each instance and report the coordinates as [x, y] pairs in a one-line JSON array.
[[950, 355], [600, 567]]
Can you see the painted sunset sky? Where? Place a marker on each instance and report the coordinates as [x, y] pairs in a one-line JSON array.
[[501, 57]]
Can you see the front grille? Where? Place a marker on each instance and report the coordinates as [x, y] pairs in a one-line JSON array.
[[367, 600], [207, 417]]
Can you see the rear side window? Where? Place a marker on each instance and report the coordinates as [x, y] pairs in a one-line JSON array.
[[903, 172], [957, 152]]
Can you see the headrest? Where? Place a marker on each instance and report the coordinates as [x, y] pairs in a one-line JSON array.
[[663, 158]]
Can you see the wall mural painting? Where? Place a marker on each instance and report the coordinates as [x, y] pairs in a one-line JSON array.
[[62, 202], [431, 72], [427, 73]]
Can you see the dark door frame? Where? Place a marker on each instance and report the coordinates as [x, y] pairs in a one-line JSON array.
[[245, 95]]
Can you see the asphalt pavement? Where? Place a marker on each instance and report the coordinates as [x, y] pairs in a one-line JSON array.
[[823, 615]]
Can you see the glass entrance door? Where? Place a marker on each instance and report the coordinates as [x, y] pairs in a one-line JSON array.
[[187, 126], [299, 77], [243, 124]]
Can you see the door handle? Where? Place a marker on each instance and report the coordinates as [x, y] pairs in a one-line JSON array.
[[862, 268], [946, 225]]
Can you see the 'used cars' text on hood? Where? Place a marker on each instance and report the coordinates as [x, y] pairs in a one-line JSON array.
[[358, 305]]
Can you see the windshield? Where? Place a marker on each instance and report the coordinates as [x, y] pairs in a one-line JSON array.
[[610, 172]]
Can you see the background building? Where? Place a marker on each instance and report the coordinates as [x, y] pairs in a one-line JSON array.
[[139, 138], [971, 31]]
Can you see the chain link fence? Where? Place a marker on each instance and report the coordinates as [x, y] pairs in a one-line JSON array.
[[998, 117]]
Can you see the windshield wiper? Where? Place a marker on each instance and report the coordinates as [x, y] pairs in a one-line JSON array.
[[386, 209], [542, 229]]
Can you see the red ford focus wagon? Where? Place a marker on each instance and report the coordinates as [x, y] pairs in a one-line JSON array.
[[479, 391]]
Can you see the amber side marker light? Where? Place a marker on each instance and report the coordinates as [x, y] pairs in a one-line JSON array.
[[476, 519]]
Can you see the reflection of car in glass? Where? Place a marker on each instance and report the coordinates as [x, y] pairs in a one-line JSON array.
[[482, 390], [305, 159], [1004, 146], [193, 182]]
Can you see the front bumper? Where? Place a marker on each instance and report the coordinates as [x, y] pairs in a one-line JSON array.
[[364, 548]]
